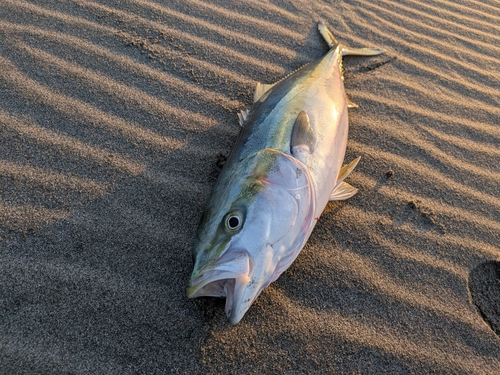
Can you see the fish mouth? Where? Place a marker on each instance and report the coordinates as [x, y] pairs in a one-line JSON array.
[[228, 277]]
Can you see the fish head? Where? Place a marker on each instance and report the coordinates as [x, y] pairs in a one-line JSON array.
[[256, 221]]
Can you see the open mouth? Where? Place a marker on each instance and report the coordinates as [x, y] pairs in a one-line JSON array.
[[216, 288], [220, 279]]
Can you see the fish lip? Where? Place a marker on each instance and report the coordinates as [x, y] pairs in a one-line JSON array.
[[220, 271], [195, 288]]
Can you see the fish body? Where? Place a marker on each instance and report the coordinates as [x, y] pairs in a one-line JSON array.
[[284, 168]]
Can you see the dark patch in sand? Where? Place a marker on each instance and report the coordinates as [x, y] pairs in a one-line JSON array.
[[484, 286]]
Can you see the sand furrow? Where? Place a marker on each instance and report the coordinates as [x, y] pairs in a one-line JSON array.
[[428, 354], [375, 278], [192, 65], [50, 179], [27, 218], [447, 77], [464, 143], [411, 136], [69, 146], [465, 13], [198, 42], [442, 55], [435, 16], [119, 91], [125, 64], [171, 56], [59, 16], [77, 109], [224, 11], [431, 175], [489, 130], [435, 93], [204, 28]]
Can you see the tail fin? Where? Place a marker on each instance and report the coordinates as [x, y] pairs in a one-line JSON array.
[[333, 43], [327, 35], [361, 51]]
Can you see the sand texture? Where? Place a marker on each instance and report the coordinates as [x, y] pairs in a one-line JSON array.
[[113, 115]]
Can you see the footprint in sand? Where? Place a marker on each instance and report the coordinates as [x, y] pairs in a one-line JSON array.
[[484, 286]]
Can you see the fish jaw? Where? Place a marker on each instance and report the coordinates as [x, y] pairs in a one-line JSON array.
[[210, 280], [236, 276], [244, 292]]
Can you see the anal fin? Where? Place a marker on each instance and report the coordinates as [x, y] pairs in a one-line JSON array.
[[347, 169], [343, 191]]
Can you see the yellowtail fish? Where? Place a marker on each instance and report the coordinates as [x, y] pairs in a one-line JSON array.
[[284, 168]]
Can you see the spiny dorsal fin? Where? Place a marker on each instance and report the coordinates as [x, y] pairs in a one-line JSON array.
[[242, 116], [303, 138]]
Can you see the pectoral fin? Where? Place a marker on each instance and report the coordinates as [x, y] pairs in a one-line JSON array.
[[303, 139], [343, 191]]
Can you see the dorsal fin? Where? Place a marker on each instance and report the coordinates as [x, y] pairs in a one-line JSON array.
[[263, 88], [242, 116], [260, 90], [303, 138]]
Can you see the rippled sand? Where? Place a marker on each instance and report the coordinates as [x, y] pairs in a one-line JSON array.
[[112, 119]]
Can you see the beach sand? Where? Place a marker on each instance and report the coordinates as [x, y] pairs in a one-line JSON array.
[[112, 119]]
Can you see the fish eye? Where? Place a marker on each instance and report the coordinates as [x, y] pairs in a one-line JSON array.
[[233, 221]]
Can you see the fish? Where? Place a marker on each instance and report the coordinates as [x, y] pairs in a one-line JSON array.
[[284, 168]]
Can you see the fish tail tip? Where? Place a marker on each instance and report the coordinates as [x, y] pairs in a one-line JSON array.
[[327, 35]]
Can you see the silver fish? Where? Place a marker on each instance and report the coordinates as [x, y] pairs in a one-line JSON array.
[[284, 168]]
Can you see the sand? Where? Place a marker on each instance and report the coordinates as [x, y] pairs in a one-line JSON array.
[[112, 119]]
